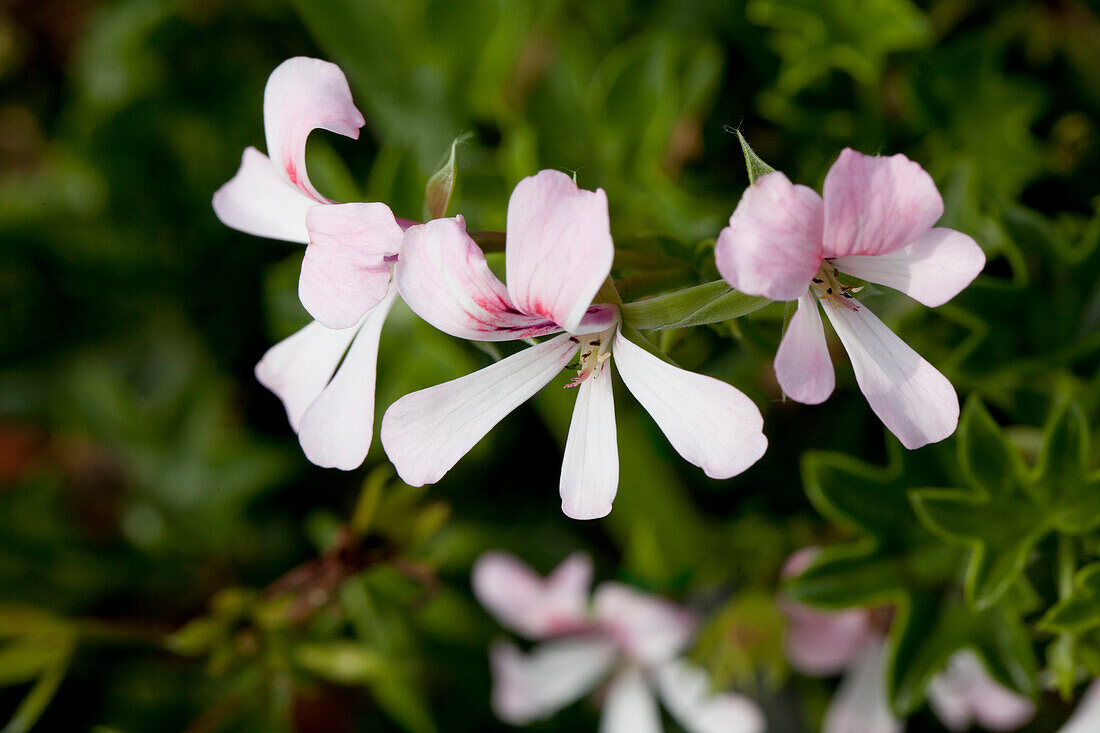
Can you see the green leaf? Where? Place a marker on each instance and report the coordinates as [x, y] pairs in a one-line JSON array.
[[441, 186], [753, 164], [1063, 478], [1080, 612], [345, 662], [38, 699], [712, 302]]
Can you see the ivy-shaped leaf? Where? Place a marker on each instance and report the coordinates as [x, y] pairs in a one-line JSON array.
[[1008, 509], [1080, 612], [896, 561]]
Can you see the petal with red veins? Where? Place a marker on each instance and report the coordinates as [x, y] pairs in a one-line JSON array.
[[772, 246], [559, 247], [344, 272], [528, 604], [874, 206], [426, 433], [932, 270], [710, 423], [911, 397], [686, 692], [803, 367], [630, 706], [443, 276], [531, 687], [590, 466], [651, 629], [337, 428], [258, 201], [303, 95]]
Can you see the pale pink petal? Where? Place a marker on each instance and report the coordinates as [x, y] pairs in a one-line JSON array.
[[337, 428], [298, 368], [559, 247], [650, 629], [526, 603], [860, 704], [803, 367], [531, 687], [629, 706], [425, 433], [1086, 718], [303, 95], [964, 694], [710, 423], [344, 272], [443, 276], [932, 270], [913, 400], [686, 692], [874, 206], [772, 246], [590, 466], [258, 201]]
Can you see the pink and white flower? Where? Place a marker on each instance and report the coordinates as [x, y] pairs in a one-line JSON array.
[[875, 222], [635, 638], [325, 373], [1086, 718], [558, 255], [852, 642]]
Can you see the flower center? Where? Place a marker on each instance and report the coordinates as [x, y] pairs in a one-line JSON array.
[[826, 285], [595, 349]]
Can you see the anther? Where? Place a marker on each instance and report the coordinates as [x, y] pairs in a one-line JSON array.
[[828, 291], [574, 339], [818, 280]]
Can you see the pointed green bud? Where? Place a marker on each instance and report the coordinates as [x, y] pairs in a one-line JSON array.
[[437, 194], [753, 164]]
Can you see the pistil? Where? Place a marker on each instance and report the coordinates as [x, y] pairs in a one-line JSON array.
[[826, 285]]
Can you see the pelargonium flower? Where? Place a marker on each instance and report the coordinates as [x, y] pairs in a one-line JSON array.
[[558, 255], [635, 638], [324, 374], [852, 642], [874, 221], [1086, 718]]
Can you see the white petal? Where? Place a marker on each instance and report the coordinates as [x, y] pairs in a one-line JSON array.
[[257, 200], [708, 422], [629, 706], [590, 466], [802, 364], [426, 433], [908, 394], [686, 691], [931, 270], [649, 628], [1086, 718], [337, 428], [529, 605], [534, 686], [964, 694], [298, 368], [860, 704]]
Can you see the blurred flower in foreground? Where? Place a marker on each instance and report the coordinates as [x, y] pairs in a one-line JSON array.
[[875, 222], [1086, 718], [635, 637], [558, 255], [852, 641], [324, 374]]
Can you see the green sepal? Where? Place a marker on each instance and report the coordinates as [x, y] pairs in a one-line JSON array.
[[441, 186], [712, 302], [753, 164], [1080, 612]]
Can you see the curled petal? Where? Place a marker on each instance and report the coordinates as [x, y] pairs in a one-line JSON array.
[[533, 687], [258, 201], [860, 704], [651, 629], [874, 206], [303, 95], [686, 691], [710, 423], [344, 272], [337, 428], [443, 276], [559, 247], [1086, 718], [425, 433], [964, 694], [802, 363], [590, 466], [298, 368], [931, 270], [772, 246], [913, 400], [526, 603], [629, 706]]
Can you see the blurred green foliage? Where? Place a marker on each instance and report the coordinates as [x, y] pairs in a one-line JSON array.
[[170, 561]]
